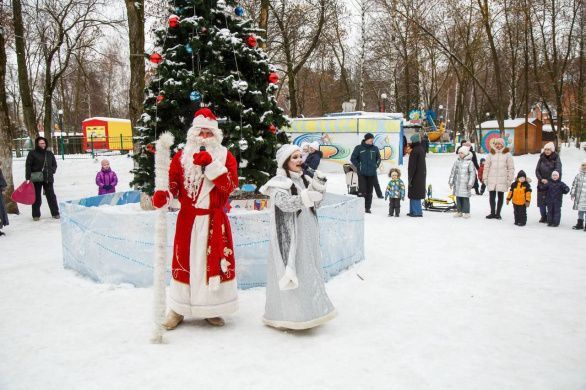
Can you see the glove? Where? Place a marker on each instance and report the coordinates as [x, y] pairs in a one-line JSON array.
[[527, 204], [310, 197], [160, 198], [202, 158], [107, 187], [315, 196]]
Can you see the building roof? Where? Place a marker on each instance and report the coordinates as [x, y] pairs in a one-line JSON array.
[[364, 114], [105, 119], [509, 123]]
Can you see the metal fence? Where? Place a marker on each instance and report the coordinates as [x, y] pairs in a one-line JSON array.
[[76, 146]]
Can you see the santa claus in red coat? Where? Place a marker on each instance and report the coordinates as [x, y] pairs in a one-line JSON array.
[[201, 176]]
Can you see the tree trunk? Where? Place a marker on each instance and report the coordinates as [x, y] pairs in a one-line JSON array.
[[48, 105], [135, 13], [5, 132], [292, 94], [263, 22], [28, 110]]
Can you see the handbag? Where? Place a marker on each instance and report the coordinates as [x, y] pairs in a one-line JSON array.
[[25, 193], [39, 177]]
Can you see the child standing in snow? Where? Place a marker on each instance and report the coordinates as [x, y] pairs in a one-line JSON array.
[[578, 195], [554, 189], [520, 194], [462, 180], [395, 192], [106, 179], [480, 172]]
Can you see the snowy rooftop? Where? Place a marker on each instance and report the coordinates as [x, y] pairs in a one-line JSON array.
[[509, 123], [106, 119], [361, 114]]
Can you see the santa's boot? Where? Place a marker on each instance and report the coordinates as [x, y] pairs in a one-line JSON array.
[[173, 319], [579, 225], [216, 321]]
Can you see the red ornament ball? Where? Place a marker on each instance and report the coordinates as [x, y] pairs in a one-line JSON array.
[[273, 129], [160, 98], [151, 148], [273, 78], [251, 41], [173, 21], [156, 58], [203, 31]]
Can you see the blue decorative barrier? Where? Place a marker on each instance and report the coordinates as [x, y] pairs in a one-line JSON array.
[[109, 239]]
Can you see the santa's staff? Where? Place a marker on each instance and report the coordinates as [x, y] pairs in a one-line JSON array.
[[162, 162]]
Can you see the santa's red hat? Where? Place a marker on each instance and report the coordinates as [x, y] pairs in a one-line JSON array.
[[204, 118]]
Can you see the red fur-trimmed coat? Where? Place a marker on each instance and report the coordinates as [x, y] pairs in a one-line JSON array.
[[218, 181]]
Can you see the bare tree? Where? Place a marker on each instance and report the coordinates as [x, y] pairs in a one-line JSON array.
[[23, 79], [296, 40], [136, 41], [6, 132]]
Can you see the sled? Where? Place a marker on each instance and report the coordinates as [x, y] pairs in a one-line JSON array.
[[436, 204], [351, 178]]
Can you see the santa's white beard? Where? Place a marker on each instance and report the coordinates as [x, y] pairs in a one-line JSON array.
[[192, 173]]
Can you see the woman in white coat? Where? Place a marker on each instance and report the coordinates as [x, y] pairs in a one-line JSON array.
[[296, 294], [499, 172]]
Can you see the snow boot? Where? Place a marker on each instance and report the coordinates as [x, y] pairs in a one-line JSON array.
[[466, 215], [458, 215], [491, 216], [543, 220], [579, 225], [173, 319], [216, 321], [36, 218]]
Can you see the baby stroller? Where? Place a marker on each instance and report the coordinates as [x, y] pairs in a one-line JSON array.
[[351, 178], [435, 204]]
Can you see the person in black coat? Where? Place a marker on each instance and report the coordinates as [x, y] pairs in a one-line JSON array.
[[417, 174], [366, 158], [549, 161], [3, 213], [42, 160]]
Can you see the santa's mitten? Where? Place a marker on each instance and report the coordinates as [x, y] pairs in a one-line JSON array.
[[202, 159], [160, 198], [310, 198]]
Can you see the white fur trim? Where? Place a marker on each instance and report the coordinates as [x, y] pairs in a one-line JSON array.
[[307, 202], [301, 325], [214, 283], [315, 185], [289, 280], [203, 122], [215, 170], [224, 264], [203, 311], [280, 182]]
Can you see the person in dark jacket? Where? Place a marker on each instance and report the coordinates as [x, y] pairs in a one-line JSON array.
[[314, 157], [366, 158], [554, 190], [417, 171], [549, 161], [42, 160], [3, 213]]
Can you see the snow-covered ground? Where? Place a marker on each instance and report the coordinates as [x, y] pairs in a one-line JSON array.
[[441, 303]]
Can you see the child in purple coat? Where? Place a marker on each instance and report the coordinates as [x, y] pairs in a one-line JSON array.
[[106, 179]]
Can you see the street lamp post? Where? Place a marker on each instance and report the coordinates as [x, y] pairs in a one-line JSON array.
[[61, 144], [383, 98]]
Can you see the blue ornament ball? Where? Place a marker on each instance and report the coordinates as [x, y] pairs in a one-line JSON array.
[[239, 11], [188, 48], [195, 96]]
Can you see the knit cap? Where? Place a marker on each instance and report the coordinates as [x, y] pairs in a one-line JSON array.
[[415, 138]]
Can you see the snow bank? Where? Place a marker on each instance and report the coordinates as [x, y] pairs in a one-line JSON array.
[[109, 239]]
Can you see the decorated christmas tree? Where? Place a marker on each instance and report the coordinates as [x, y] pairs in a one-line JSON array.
[[208, 55]]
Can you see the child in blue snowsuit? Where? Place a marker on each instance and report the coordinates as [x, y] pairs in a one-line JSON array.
[[555, 190], [395, 192]]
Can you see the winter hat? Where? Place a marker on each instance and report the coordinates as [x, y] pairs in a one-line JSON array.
[[368, 136], [415, 138], [550, 146], [555, 173], [204, 118], [482, 159], [464, 150], [285, 152], [314, 145], [521, 174]]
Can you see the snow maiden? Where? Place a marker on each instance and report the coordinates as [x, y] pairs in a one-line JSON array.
[[296, 297]]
